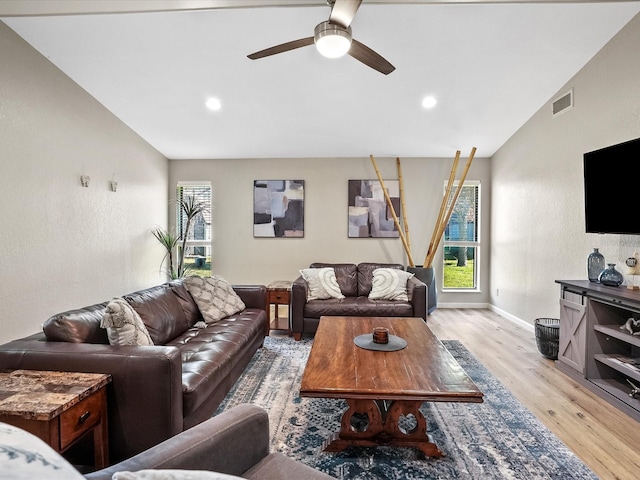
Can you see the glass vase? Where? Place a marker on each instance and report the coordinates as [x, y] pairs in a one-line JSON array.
[[610, 276], [595, 265]]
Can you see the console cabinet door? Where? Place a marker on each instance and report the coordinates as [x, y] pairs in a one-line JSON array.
[[572, 345]]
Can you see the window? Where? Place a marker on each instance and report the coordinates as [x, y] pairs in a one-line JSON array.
[[461, 240], [198, 245]]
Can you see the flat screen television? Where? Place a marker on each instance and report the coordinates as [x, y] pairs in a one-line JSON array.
[[612, 189]]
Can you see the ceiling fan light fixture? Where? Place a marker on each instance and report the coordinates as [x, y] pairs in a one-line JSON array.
[[332, 41]]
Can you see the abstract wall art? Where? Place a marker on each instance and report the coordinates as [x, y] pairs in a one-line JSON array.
[[369, 215], [278, 208]]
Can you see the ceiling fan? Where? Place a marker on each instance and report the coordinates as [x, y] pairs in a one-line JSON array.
[[333, 39]]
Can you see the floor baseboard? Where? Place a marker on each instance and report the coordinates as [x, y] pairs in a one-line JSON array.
[[463, 305], [517, 320]]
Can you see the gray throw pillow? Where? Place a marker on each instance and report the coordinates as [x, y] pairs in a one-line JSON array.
[[214, 296], [173, 475], [124, 325], [24, 456]]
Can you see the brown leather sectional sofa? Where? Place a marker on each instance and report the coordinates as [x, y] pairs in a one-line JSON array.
[[156, 391], [355, 284]]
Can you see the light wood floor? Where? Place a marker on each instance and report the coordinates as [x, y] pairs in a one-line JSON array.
[[607, 440]]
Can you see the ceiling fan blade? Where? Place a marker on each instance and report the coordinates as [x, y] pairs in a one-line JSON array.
[[367, 56], [343, 11], [283, 47]]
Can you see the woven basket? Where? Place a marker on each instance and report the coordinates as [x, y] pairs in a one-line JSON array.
[[547, 334]]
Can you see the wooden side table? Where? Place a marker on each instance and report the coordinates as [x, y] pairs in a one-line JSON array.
[[58, 407], [279, 293]]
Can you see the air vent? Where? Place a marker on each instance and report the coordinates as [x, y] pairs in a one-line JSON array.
[[563, 103]]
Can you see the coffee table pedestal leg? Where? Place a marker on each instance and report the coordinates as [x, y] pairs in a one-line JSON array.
[[371, 423]]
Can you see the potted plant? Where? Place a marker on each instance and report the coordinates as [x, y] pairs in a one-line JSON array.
[[176, 243]]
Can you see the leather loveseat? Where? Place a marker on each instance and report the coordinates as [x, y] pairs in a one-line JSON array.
[[156, 391], [355, 282]]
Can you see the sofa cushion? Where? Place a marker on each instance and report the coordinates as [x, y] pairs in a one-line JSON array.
[[346, 275], [188, 304], [81, 325], [160, 311], [365, 275], [321, 283], [389, 284], [209, 355], [123, 324], [277, 466], [357, 307], [214, 296], [347, 307]]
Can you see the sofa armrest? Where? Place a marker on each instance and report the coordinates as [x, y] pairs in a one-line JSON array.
[[144, 399], [253, 296], [418, 295], [230, 443], [298, 301]]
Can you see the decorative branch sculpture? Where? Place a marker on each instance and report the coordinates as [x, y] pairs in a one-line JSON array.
[[443, 215]]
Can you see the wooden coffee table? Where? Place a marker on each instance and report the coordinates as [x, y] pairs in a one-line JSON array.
[[382, 387]]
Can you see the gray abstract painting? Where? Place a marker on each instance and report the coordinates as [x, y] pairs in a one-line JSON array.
[[278, 208], [369, 215]]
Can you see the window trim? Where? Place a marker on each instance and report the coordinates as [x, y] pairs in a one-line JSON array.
[[477, 244]]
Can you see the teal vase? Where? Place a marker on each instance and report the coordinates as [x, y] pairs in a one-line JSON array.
[[610, 276], [595, 265]]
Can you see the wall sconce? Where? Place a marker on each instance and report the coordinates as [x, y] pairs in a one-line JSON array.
[[84, 180], [113, 185]]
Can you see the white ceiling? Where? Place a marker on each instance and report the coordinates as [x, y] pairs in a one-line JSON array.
[[491, 66]]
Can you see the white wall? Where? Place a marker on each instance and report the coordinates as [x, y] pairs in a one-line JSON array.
[[241, 258], [64, 246], [538, 232]]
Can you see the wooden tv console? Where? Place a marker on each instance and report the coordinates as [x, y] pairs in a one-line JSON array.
[[593, 349]]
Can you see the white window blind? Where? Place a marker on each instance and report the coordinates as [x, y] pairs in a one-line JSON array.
[[199, 238]]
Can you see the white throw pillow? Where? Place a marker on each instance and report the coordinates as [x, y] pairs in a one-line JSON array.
[[24, 456], [214, 296], [321, 283], [124, 325], [389, 284], [173, 475]]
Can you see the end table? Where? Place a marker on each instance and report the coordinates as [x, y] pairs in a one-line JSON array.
[[58, 407], [279, 293]]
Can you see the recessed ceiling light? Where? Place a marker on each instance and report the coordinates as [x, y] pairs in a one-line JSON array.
[[429, 102], [213, 104]]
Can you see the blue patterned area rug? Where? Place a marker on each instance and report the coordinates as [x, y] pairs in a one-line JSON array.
[[497, 439]]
